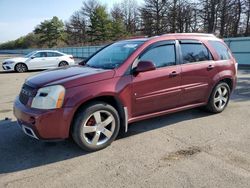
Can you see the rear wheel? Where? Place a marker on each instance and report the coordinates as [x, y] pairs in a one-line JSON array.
[[96, 126], [63, 63], [21, 67], [219, 98]]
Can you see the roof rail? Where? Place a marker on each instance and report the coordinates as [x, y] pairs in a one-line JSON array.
[[191, 34]]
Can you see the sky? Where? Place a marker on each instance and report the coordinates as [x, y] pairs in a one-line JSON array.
[[19, 17]]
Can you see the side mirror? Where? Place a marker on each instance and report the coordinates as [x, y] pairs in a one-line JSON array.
[[32, 57], [144, 66], [83, 62]]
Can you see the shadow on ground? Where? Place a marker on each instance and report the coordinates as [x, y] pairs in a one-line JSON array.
[[19, 152]]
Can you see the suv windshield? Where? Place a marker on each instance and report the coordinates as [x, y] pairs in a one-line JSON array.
[[114, 55]]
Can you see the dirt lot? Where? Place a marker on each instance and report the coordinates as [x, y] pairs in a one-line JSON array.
[[186, 149]]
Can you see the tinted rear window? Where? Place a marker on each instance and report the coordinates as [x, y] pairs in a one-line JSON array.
[[221, 50], [194, 52]]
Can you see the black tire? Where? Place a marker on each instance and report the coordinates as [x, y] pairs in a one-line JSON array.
[[89, 114], [217, 103], [21, 67], [63, 64]]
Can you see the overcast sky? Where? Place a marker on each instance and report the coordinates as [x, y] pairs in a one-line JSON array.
[[19, 17]]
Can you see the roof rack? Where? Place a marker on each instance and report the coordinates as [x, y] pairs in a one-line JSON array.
[[191, 34]]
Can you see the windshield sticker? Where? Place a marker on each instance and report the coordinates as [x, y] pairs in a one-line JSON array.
[[130, 46]]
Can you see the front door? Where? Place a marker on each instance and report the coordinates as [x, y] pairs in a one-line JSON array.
[[157, 90], [38, 60]]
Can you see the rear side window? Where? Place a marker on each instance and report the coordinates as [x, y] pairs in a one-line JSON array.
[[53, 54], [221, 50], [161, 56], [194, 52]]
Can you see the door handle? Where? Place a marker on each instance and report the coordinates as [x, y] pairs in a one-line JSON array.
[[210, 67], [173, 74]]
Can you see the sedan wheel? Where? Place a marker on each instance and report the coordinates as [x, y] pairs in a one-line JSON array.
[[63, 64], [20, 67], [96, 126]]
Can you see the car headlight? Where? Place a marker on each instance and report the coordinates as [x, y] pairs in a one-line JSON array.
[[8, 62], [50, 97]]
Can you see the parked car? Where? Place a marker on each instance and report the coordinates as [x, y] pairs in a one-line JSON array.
[[44, 59], [125, 82]]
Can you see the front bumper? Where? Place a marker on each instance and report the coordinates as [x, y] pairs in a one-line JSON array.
[[43, 124], [8, 67]]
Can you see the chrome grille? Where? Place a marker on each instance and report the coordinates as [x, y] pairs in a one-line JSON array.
[[26, 92]]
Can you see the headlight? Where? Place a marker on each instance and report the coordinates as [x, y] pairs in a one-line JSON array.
[[50, 97], [8, 62]]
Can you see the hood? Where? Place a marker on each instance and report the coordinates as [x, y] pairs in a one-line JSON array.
[[69, 76], [16, 59]]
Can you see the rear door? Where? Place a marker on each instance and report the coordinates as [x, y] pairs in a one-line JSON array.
[[197, 72], [159, 89], [53, 59]]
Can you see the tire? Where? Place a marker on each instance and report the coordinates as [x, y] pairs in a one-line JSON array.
[[89, 129], [21, 67], [63, 64], [219, 98]]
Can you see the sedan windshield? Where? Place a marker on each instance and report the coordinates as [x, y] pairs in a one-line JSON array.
[[114, 55]]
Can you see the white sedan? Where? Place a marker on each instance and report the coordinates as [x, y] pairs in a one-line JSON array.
[[45, 59]]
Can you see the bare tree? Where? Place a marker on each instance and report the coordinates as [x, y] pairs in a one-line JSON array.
[[131, 16], [76, 28]]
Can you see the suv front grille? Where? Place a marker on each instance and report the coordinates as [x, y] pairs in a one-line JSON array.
[[26, 93]]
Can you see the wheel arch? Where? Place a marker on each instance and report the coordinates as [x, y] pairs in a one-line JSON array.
[[226, 79], [113, 101]]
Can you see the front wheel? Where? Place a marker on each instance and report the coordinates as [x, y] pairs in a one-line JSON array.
[[219, 98], [96, 126], [21, 67]]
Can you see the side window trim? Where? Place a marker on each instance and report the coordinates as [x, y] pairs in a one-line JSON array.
[[155, 45], [192, 41]]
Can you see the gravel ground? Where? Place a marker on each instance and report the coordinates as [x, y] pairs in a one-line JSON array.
[[186, 149]]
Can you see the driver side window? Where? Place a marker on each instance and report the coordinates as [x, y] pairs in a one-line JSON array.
[[161, 56], [41, 54]]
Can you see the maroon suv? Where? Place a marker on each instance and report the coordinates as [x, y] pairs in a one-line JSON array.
[[125, 82]]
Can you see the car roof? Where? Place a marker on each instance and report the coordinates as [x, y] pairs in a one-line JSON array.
[[175, 36], [49, 51]]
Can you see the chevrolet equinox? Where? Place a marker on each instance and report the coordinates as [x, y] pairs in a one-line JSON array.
[[125, 82]]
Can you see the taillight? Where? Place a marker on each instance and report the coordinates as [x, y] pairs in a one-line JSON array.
[[71, 57]]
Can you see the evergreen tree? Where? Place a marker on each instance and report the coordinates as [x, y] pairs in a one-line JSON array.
[[100, 25], [50, 31]]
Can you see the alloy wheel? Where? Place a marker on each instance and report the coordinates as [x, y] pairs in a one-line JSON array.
[[21, 68], [99, 127], [221, 97], [63, 63]]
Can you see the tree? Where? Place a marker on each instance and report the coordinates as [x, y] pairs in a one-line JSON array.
[[130, 14], [247, 20], [153, 14], [100, 25], [76, 29], [50, 31], [118, 26]]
